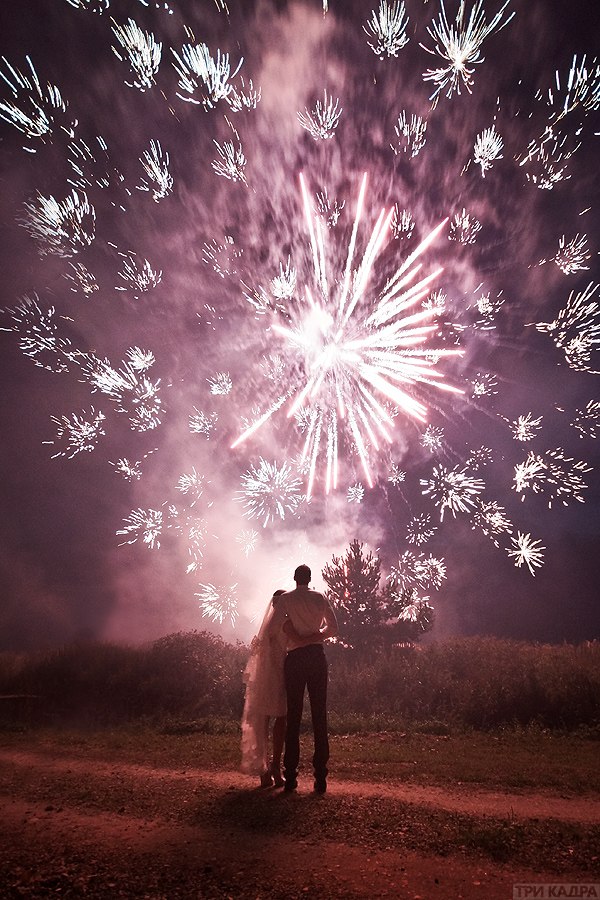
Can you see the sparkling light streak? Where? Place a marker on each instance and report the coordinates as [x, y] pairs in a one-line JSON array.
[[140, 50], [219, 602], [576, 329], [146, 524], [61, 227], [78, 433], [33, 108], [198, 71], [555, 475], [527, 551], [387, 29], [410, 134], [487, 149], [156, 166], [454, 489], [270, 491], [322, 120]]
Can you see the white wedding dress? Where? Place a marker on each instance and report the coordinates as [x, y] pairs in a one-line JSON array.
[[265, 694]]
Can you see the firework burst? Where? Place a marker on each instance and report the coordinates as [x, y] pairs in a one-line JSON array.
[[61, 227], [454, 489], [387, 29], [528, 551], [270, 491]]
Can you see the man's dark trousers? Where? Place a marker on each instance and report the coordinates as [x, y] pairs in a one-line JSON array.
[[306, 667]]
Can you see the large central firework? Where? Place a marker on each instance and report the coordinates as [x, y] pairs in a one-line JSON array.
[[362, 350]]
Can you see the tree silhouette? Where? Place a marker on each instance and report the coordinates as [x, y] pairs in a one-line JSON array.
[[371, 614]]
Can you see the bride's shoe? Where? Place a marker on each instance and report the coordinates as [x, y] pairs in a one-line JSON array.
[[277, 778]]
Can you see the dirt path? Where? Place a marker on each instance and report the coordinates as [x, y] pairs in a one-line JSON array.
[[78, 827]]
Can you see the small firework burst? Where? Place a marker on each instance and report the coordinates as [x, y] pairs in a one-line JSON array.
[[329, 210], [221, 256], [484, 384], [572, 255], [417, 571], [491, 519], [39, 337], [356, 493], [33, 108], [402, 224], [146, 524], [420, 530], [397, 475], [79, 433], [454, 489], [432, 439], [464, 228], [487, 308], [525, 428], [82, 279], [555, 475], [232, 162], [92, 167], [273, 368], [547, 158], [283, 285], [417, 609], [436, 302], [199, 72], [576, 329], [158, 178], [61, 227], [587, 421], [527, 551], [410, 134], [581, 88], [248, 97], [132, 391], [487, 149], [322, 120], [140, 50], [138, 275], [270, 491], [130, 471], [220, 384], [219, 602], [459, 46], [202, 423], [191, 484], [479, 458], [387, 29], [247, 539]]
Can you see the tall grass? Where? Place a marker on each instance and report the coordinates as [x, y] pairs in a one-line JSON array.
[[195, 677]]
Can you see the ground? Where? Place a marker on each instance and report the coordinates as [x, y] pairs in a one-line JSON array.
[[81, 824]]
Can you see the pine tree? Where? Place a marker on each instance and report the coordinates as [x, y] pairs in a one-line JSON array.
[[354, 592]]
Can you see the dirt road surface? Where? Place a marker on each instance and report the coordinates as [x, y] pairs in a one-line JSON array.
[[78, 827]]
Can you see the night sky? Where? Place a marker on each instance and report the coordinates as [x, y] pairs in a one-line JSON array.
[[165, 279]]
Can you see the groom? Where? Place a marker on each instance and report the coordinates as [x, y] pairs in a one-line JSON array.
[[313, 620]]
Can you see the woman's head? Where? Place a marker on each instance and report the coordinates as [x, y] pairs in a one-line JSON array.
[[276, 595]]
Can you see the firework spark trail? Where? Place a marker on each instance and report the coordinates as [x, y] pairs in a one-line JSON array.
[[95, 6], [436, 302], [130, 389], [129, 470], [139, 276], [232, 161], [487, 149], [571, 256], [411, 135], [247, 539], [191, 484], [555, 475], [220, 384], [576, 329], [396, 475], [61, 227], [420, 530], [587, 421], [156, 166], [402, 223], [246, 98], [453, 489], [547, 158], [487, 308], [464, 228], [198, 70], [202, 423], [283, 285], [140, 50], [352, 345], [417, 571], [79, 433], [356, 493], [387, 29], [527, 551], [33, 108], [146, 524], [82, 279], [322, 120], [582, 88], [39, 338], [270, 491], [330, 210], [219, 602], [416, 609], [460, 47], [491, 519], [87, 171], [221, 256], [479, 458]]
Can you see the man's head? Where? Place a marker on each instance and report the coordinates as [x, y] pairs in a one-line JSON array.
[[302, 575]]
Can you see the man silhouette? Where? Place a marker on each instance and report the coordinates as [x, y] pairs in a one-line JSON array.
[[312, 620]]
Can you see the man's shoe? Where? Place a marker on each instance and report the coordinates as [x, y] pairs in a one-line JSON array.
[[320, 785]]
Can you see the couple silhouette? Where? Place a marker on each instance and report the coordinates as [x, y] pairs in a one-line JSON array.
[[286, 659]]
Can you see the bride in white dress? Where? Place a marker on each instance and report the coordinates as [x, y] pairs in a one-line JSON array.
[[265, 699]]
